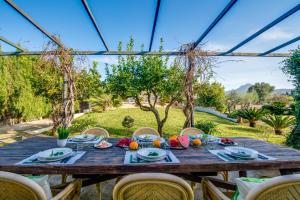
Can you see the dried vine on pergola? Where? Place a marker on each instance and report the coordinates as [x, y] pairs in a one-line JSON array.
[[61, 58], [199, 67]]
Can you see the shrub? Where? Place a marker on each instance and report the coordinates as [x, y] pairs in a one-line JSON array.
[[82, 123], [128, 122], [251, 114], [117, 102], [206, 126], [276, 108]]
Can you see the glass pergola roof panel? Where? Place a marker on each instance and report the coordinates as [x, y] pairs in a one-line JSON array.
[[119, 24], [67, 19], [244, 19], [277, 35], [6, 47], [16, 29], [180, 22]]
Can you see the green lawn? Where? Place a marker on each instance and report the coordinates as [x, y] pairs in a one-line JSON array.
[[112, 121]]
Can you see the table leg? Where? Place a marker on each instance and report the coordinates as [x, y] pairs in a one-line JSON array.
[[242, 173]]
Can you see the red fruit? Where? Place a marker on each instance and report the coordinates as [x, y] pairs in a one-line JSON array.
[[184, 141], [173, 143], [124, 142]]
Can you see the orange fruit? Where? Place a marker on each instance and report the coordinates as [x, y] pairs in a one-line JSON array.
[[156, 143], [197, 142], [173, 137], [133, 145]]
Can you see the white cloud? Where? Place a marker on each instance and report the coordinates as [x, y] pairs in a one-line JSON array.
[[212, 46], [276, 34], [106, 59]]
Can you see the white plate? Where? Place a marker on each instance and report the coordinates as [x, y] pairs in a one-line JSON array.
[[148, 137], [50, 154], [242, 152], [109, 145], [83, 137], [144, 154]]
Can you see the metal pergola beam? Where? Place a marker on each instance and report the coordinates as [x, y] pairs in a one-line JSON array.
[[88, 10], [154, 24], [281, 46], [267, 27], [165, 53], [29, 19], [12, 43], [214, 23]]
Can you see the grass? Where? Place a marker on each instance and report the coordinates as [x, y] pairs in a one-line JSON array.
[[112, 121]]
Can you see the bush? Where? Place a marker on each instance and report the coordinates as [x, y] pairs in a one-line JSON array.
[[233, 114], [128, 122], [206, 126], [276, 108], [117, 102], [80, 124]]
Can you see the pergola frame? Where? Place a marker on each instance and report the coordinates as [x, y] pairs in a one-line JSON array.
[[21, 51]]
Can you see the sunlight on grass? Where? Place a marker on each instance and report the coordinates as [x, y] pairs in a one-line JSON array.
[[112, 121]]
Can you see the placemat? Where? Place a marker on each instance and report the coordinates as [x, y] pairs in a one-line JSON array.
[[131, 158], [32, 160], [223, 154]]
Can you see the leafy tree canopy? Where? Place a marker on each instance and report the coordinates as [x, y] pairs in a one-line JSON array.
[[211, 95], [262, 89], [146, 76], [291, 67]]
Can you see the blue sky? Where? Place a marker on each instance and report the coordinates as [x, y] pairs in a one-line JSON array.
[[179, 22]]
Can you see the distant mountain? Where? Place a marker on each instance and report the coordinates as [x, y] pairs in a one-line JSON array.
[[241, 89], [282, 91], [244, 89]]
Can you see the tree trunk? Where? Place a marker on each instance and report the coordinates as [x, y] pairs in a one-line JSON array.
[[65, 99], [278, 131], [239, 120], [252, 123], [189, 94]]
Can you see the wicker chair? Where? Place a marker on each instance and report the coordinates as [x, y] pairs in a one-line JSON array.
[[278, 188], [17, 187], [97, 131], [149, 186], [145, 130], [191, 131]]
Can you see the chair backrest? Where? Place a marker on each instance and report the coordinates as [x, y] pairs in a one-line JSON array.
[[17, 187], [149, 186], [97, 131], [278, 188], [191, 131], [145, 130]]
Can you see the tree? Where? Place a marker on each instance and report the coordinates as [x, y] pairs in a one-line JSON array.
[[279, 122], [16, 91], [149, 77], [232, 99], [284, 99], [248, 99], [262, 89], [291, 67], [211, 95], [251, 114]]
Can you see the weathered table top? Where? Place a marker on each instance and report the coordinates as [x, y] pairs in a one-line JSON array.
[[110, 161]]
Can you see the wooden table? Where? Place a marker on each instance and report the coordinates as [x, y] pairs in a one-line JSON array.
[[110, 161]]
